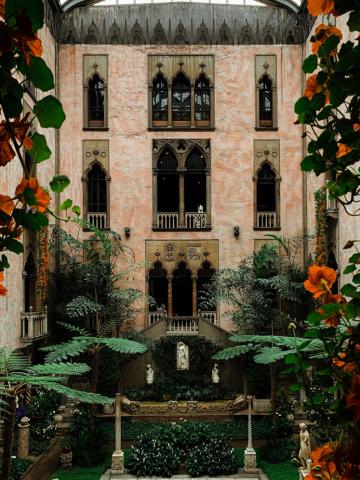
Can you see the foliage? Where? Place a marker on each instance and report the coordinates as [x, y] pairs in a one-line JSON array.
[[20, 61], [18, 468], [109, 372], [152, 456], [87, 438], [214, 457], [320, 226]]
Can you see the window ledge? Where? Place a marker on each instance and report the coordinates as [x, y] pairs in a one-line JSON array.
[[181, 129], [91, 129], [268, 129], [267, 229], [182, 229]]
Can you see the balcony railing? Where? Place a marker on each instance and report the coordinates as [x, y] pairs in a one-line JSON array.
[[156, 316], [97, 219], [195, 220], [33, 326], [182, 326], [266, 220], [209, 316], [167, 220]]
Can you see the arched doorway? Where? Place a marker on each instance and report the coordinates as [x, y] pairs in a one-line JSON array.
[[204, 276], [158, 286], [182, 291]]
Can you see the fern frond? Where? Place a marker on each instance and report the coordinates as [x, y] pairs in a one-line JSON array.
[[233, 352], [72, 348], [60, 369], [74, 329], [122, 345], [271, 354], [81, 306], [80, 395]]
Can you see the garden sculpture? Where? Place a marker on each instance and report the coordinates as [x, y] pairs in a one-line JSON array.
[[215, 374], [149, 374], [304, 453], [182, 360]]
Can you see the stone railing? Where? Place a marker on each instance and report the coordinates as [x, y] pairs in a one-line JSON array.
[[182, 326], [167, 220], [33, 326], [208, 315], [195, 220], [156, 316], [266, 220], [97, 219]]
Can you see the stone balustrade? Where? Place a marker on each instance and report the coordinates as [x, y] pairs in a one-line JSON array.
[[266, 220], [167, 220], [34, 325], [182, 326], [195, 220], [209, 316], [156, 316], [97, 219]]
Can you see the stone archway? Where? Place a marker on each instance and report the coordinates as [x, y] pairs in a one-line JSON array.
[[182, 291]]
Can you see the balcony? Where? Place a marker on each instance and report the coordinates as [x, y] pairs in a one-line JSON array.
[[171, 221], [97, 219], [209, 316], [156, 316], [182, 326], [266, 220], [34, 326]]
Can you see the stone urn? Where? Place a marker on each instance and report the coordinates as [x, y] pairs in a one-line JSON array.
[[66, 457], [108, 408]]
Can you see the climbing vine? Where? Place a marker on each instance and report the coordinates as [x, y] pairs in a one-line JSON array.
[[42, 263], [320, 226]]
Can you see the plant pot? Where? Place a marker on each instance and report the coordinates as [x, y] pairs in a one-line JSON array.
[[66, 458]]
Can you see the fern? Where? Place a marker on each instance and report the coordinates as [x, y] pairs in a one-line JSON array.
[[268, 355], [74, 329], [80, 395], [233, 352], [81, 306], [72, 348], [122, 345], [60, 369]]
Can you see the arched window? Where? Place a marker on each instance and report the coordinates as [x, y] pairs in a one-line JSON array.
[[96, 97], [182, 291], [266, 198], [29, 275], [158, 286], [202, 99], [168, 187], [160, 99], [265, 101], [195, 190], [97, 197], [204, 276], [181, 98]]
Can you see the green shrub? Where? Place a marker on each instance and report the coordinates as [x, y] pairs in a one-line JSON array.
[[41, 412], [214, 457], [135, 393], [152, 456], [109, 372], [281, 452]]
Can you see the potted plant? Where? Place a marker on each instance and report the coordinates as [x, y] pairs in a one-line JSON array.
[[66, 454]]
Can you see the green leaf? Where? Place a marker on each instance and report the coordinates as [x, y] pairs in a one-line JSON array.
[[302, 105], [14, 246], [329, 46], [38, 72], [310, 64], [325, 112], [349, 269], [66, 204], [76, 209], [31, 220], [356, 279], [62, 368], [59, 183], [4, 261], [318, 399], [122, 345], [354, 21], [355, 258], [40, 150], [295, 387], [232, 352], [350, 291], [34, 9], [308, 163], [49, 112]]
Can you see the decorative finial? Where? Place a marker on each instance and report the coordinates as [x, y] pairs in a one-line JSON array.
[[181, 64], [159, 65], [266, 65], [202, 66], [95, 66]]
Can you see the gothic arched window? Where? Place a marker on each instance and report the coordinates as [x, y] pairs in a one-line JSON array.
[[96, 101], [168, 184], [266, 101], [97, 197], [195, 189], [181, 98], [202, 99], [160, 98], [266, 198]]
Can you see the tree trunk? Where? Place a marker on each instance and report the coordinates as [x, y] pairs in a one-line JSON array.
[[8, 438], [273, 377], [95, 370]]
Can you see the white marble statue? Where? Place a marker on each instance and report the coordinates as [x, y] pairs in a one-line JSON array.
[[149, 374], [215, 374], [200, 208], [182, 356], [304, 452]]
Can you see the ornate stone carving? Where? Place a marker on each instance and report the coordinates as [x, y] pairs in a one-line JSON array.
[[114, 33], [262, 405], [93, 34], [181, 149], [202, 36], [137, 34], [193, 252], [169, 252], [224, 34], [159, 36], [180, 37], [246, 36]]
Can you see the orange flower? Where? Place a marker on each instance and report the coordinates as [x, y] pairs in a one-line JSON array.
[[353, 398], [322, 33], [41, 198], [318, 7], [343, 150], [3, 290], [312, 88], [320, 280], [348, 367], [334, 320], [7, 206], [6, 151], [27, 41]]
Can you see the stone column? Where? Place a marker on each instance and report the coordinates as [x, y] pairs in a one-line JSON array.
[[169, 106], [23, 442], [154, 197], [194, 295], [117, 463], [208, 198], [181, 199], [169, 278], [192, 99], [250, 454]]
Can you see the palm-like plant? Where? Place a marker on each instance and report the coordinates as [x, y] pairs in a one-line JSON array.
[[17, 376]]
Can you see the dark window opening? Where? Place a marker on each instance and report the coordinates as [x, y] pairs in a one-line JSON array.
[[266, 190], [168, 183], [96, 100], [97, 201], [181, 98], [160, 98], [265, 101], [195, 182], [202, 99], [158, 286], [30, 283], [182, 291], [205, 274]]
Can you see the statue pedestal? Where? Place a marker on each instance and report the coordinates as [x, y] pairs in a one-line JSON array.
[[117, 463], [250, 460]]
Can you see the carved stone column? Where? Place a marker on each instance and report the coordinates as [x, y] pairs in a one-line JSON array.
[[194, 295], [181, 199], [192, 100], [170, 279], [250, 454], [208, 198], [154, 197], [23, 442], [117, 463], [169, 106]]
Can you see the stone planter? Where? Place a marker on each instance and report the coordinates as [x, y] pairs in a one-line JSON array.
[[66, 458]]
